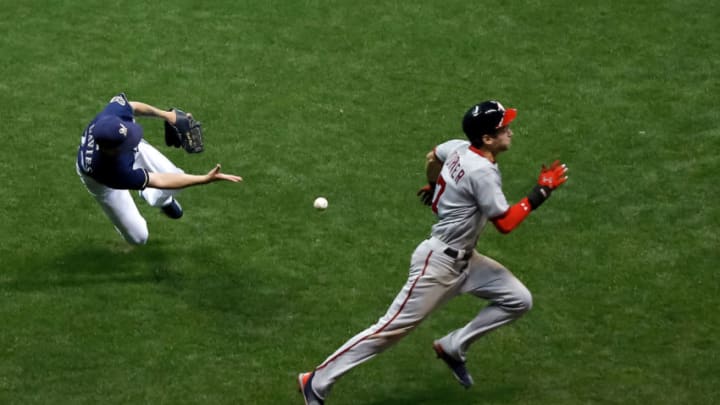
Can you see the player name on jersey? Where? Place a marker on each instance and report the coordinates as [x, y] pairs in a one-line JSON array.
[[88, 149], [456, 171]]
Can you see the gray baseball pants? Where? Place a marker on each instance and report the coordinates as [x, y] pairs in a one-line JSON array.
[[434, 279]]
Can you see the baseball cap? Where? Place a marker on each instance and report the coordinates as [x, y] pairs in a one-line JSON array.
[[110, 131], [485, 117]]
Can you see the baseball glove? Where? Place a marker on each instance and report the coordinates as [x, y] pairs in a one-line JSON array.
[[186, 133]]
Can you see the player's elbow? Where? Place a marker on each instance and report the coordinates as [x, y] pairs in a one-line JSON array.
[[511, 218], [505, 224], [169, 181], [432, 162], [431, 156], [502, 227]]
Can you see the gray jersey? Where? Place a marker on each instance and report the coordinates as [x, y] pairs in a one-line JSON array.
[[468, 193]]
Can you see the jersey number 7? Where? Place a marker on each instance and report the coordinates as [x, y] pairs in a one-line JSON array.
[[439, 190]]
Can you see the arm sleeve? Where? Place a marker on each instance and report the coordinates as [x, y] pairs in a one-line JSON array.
[[119, 174], [509, 220], [134, 180]]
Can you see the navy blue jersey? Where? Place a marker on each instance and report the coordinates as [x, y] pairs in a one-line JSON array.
[[108, 146]]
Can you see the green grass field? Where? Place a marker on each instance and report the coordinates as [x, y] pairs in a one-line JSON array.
[[343, 99]]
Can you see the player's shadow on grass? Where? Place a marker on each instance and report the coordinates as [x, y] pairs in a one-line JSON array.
[[200, 276], [436, 395], [92, 265]]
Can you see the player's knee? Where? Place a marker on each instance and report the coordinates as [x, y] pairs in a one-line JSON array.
[[387, 338], [137, 240], [138, 237], [520, 302], [524, 300]]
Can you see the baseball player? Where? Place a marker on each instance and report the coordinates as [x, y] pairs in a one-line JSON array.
[[113, 158], [465, 192]]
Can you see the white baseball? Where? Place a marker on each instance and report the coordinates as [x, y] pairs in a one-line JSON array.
[[320, 203]]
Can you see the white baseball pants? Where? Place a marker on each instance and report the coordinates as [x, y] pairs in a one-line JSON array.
[[434, 279], [119, 205]]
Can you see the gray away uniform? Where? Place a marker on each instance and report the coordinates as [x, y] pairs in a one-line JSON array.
[[467, 195]]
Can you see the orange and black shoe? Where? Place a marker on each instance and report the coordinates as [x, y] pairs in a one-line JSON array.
[[305, 387]]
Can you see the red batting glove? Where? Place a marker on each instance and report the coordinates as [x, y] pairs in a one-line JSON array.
[[552, 177]]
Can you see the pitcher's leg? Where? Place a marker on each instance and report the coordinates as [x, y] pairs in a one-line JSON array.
[[509, 300], [421, 294], [126, 217], [120, 208], [152, 160]]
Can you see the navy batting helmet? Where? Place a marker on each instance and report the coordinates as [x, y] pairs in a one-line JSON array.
[[485, 118]]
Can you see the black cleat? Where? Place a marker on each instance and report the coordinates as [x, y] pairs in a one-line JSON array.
[[456, 366], [172, 210]]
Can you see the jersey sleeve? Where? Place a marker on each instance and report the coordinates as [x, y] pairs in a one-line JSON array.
[[443, 150], [119, 106], [118, 173], [136, 179], [489, 196]]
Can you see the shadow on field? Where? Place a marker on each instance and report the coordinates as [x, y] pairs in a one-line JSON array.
[[201, 276], [452, 395], [91, 265]]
